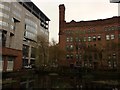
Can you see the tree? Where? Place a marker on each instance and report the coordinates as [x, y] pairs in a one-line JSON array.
[[41, 52], [113, 55], [55, 54]]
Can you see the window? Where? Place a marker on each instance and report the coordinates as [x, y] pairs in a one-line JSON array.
[[85, 64], [67, 47], [4, 38], [112, 36], [109, 63], [25, 50], [99, 37], [4, 15], [33, 52], [93, 30], [94, 38], [67, 39], [109, 29], [89, 31], [89, 39], [79, 39], [12, 27], [107, 37], [114, 56], [3, 23], [67, 56], [76, 39], [118, 27], [30, 28], [84, 31], [77, 57], [71, 56], [4, 7], [84, 39], [90, 64], [105, 28], [30, 35], [31, 23], [80, 56], [115, 64], [71, 39], [71, 47], [10, 63], [113, 28]]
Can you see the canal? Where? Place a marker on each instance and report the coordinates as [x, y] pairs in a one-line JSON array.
[[55, 81]]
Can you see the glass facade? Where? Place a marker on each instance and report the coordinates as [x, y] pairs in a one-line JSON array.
[[30, 30], [18, 28], [30, 35], [30, 22], [2, 6], [4, 15], [2, 23]]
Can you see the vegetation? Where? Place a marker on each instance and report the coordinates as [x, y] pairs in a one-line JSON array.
[[55, 54], [41, 52], [47, 54]]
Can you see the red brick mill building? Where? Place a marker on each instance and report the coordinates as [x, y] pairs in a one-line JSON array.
[[91, 44]]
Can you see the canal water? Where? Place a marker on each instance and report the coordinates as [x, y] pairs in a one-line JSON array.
[[54, 81]]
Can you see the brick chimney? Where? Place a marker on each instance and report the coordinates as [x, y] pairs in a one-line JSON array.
[[61, 17]]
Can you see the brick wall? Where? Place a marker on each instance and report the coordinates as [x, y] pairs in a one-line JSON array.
[[17, 54], [97, 25]]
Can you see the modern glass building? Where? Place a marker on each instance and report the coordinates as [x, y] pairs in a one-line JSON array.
[[20, 24]]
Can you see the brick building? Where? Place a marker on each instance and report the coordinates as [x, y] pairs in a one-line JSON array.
[[20, 24], [92, 44]]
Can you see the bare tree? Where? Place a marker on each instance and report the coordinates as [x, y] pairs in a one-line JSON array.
[[55, 53], [41, 52]]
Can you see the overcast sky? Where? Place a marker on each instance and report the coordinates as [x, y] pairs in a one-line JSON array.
[[77, 10]]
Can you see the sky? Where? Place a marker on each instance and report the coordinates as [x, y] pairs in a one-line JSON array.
[[78, 10]]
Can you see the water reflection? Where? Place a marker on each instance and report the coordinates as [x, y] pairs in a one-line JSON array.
[[54, 81]]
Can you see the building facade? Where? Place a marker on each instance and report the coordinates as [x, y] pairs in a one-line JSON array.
[[20, 24], [91, 44]]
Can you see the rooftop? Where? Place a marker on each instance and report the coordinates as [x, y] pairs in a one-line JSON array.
[[30, 6]]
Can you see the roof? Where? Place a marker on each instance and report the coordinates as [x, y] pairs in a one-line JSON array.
[[30, 6], [73, 23]]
